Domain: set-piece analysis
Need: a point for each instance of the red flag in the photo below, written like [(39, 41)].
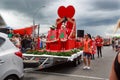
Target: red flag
[(27, 30)]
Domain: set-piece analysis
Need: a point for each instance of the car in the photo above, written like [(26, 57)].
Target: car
[(11, 60)]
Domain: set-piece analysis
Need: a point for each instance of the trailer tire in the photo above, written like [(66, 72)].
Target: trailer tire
[(75, 62), (79, 60), (31, 64)]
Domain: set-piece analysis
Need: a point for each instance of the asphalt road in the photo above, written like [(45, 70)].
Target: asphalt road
[(100, 69)]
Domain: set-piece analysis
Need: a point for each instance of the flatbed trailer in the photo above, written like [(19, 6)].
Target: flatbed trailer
[(45, 61)]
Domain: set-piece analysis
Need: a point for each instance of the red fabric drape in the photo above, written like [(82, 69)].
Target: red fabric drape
[(23, 31)]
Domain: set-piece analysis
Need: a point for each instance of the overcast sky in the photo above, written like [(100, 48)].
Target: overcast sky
[(97, 17)]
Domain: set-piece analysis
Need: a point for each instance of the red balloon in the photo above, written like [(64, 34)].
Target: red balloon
[(70, 11), (61, 11), (66, 12)]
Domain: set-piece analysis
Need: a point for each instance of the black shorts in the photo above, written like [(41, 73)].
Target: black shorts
[(85, 54), (116, 46)]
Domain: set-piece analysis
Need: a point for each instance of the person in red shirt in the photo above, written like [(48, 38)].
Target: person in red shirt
[(99, 44), (87, 51), (93, 48)]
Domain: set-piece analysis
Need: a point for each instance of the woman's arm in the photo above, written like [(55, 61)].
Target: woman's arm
[(57, 22), (112, 73)]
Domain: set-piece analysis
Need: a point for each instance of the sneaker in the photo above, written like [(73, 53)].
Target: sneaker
[(88, 68), (85, 67)]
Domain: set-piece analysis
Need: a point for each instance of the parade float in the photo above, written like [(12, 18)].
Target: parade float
[(60, 44), (63, 37)]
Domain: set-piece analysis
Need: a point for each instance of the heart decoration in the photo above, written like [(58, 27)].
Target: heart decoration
[(68, 11)]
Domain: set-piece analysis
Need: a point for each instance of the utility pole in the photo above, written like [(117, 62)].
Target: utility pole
[(36, 12)]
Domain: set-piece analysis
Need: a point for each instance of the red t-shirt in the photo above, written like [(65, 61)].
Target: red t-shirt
[(99, 41), (87, 46)]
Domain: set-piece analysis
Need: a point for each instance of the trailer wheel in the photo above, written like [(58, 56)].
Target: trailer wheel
[(79, 59), (75, 62), (31, 64)]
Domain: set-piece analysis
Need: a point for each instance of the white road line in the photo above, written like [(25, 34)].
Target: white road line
[(72, 75)]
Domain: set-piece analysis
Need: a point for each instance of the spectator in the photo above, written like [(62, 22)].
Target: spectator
[(93, 48), (16, 40), (99, 44), (116, 44), (33, 43), (10, 34), (23, 44), (26, 43), (44, 41), (113, 43)]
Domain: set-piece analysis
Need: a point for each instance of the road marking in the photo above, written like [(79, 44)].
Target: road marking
[(72, 75)]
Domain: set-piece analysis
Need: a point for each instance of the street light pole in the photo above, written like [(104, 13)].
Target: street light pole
[(34, 21), (38, 30), (33, 32)]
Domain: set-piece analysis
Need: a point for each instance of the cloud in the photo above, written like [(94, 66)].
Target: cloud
[(93, 16), (14, 19), (100, 30), (106, 5), (43, 29)]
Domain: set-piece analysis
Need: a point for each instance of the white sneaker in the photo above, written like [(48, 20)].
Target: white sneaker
[(85, 67), (88, 68)]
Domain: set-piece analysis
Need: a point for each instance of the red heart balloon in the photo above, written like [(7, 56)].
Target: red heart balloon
[(70, 11), (66, 12), (61, 11)]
